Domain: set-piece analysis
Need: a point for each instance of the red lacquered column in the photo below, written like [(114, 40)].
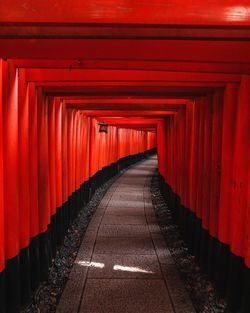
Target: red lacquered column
[(200, 165), (70, 161), (161, 148), (74, 164), (10, 180), (65, 195), (52, 170), (58, 170), (182, 160), (226, 183), (195, 149), (217, 111), (82, 158), (24, 203), (77, 161), (240, 200), (206, 139), (247, 254), (246, 291), (207, 147), (228, 146), (2, 252), (33, 190), (43, 183), (241, 167), (217, 108), (189, 141)]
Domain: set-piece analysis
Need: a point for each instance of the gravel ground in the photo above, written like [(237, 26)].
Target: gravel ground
[(46, 298), (200, 289)]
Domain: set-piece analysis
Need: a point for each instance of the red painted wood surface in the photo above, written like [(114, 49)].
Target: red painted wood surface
[(2, 242), (228, 146), (33, 159), (23, 155), (52, 155), (241, 170), (43, 163), (10, 160), (140, 12)]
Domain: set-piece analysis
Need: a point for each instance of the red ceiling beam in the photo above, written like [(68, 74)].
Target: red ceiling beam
[(102, 31), (124, 107), (101, 49), (132, 121), (137, 65), (176, 12), (129, 113), (149, 101), (35, 75)]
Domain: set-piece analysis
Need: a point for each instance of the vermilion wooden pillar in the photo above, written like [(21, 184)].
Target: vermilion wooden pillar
[(73, 173), (182, 160), (24, 200), (82, 160), (228, 146), (78, 147), (202, 103), (43, 184), (70, 160), (194, 174), (217, 111), (161, 140), (52, 171), (65, 195), (84, 166), (240, 192), (2, 252), (10, 179), (58, 170), (87, 158), (33, 188), (246, 292), (240, 166), (225, 223), (205, 196), (190, 143)]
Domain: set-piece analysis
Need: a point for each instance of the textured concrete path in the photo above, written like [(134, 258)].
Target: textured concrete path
[(123, 265)]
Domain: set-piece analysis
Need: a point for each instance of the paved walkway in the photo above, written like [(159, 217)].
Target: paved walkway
[(123, 265)]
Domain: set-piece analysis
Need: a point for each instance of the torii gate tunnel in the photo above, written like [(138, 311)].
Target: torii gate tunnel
[(172, 77)]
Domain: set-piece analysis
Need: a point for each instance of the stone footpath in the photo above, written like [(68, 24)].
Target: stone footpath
[(123, 265)]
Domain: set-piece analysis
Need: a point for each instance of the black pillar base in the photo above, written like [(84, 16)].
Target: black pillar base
[(235, 282), (191, 232), (246, 293), (78, 200), (34, 263), (25, 276), (212, 257), (86, 192), (53, 235), (12, 286), (2, 292), (65, 218), (204, 250), (222, 269), (59, 226), (197, 238), (44, 255), (70, 205)]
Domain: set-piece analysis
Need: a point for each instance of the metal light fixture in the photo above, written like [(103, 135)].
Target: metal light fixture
[(103, 127)]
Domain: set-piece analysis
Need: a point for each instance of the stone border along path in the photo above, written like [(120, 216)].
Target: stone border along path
[(123, 265)]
